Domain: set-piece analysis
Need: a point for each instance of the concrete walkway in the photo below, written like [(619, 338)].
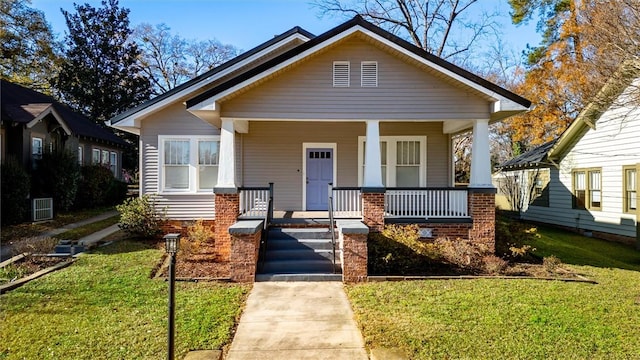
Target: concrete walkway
[(297, 320), (78, 224)]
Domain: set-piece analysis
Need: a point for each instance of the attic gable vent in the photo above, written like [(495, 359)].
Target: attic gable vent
[(340, 74), (369, 74)]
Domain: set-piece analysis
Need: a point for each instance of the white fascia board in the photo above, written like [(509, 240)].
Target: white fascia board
[(456, 126), (129, 120), (504, 104), (129, 129), (52, 111)]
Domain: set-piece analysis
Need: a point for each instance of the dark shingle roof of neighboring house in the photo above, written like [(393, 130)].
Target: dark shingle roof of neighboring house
[(536, 157), (359, 21), (22, 105)]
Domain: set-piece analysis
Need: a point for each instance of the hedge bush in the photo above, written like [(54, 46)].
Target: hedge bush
[(57, 175), (15, 192)]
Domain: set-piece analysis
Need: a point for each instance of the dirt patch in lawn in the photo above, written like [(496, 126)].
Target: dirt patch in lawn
[(200, 264), (28, 265)]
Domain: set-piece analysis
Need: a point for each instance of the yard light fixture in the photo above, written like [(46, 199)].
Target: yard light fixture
[(171, 242)]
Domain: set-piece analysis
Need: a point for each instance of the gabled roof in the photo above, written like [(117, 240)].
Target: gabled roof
[(506, 101), (26, 106), (211, 74), (534, 158), (358, 21), (589, 116)]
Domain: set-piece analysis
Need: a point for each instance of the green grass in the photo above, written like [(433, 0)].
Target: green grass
[(105, 306), (88, 229), (513, 319)]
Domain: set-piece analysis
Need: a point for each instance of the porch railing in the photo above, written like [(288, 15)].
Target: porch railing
[(347, 201), (254, 201), (426, 203)]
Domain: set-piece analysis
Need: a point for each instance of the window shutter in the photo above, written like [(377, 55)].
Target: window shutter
[(340, 74), (369, 73)]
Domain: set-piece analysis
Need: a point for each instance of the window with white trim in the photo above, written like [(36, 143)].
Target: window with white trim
[(369, 74), (188, 163), (341, 73), (113, 163), (403, 160), (80, 155), (95, 156), (105, 157), (37, 147)]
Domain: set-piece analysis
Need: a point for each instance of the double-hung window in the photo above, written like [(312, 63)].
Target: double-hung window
[(587, 189), (95, 156), (188, 163), (630, 189), (403, 160), (113, 163)]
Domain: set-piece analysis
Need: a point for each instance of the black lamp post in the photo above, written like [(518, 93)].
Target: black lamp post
[(171, 242)]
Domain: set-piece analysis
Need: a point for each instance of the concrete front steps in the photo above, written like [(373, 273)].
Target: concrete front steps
[(299, 254)]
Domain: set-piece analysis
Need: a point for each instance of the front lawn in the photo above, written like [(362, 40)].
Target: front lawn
[(513, 319), (105, 306)]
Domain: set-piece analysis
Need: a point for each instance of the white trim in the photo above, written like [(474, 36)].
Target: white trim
[(227, 154), (132, 120), (305, 146), (54, 113), (193, 166), (341, 74), (391, 157), (489, 93), (480, 156), (368, 79)]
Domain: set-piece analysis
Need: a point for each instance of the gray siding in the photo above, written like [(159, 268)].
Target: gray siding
[(174, 120), (273, 152), (404, 92)]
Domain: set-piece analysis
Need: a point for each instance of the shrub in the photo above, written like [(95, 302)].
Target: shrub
[(409, 235), (94, 186), (462, 253), (494, 264), (197, 234), (551, 263), (513, 240), (117, 192), (15, 192), (138, 216), (57, 175)]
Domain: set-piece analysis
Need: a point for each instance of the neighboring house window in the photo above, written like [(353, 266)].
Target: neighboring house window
[(189, 163), (403, 160), (113, 163), (95, 156), (630, 190), (341, 73), (369, 74), (105, 157), (36, 149), (587, 190), (80, 155)]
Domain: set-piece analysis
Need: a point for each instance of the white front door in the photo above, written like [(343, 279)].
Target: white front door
[(319, 175)]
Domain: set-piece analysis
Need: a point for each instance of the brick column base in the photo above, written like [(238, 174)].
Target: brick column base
[(482, 204), (244, 256), (373, 210), (353, 237), (227, 209)]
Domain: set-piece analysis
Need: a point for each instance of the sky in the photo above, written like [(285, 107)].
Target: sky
[(248, 23)]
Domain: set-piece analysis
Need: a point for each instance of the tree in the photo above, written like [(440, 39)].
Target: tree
[(441, 27), (169, 60), (28, 50), (100, 74), (584, 43)]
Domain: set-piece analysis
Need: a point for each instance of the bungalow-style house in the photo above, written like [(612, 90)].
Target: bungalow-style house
[(593, 166), (355, 107), (32, 122)]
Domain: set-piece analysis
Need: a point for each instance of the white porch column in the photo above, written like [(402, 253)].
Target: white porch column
[(372, 160), (480, 158), (227, 161)]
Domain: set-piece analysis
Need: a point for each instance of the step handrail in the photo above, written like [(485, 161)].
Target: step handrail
[(268, 217), (332, 225)]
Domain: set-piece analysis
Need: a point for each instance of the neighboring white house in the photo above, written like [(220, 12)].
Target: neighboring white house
[(594, 165)]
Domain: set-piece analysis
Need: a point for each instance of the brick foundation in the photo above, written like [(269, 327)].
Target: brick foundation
[(227, 209), (373, 210), (482, 210), (449, 230)]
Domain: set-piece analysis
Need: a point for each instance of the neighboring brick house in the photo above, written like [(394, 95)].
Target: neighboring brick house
[(33, 123), (356, 107)]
